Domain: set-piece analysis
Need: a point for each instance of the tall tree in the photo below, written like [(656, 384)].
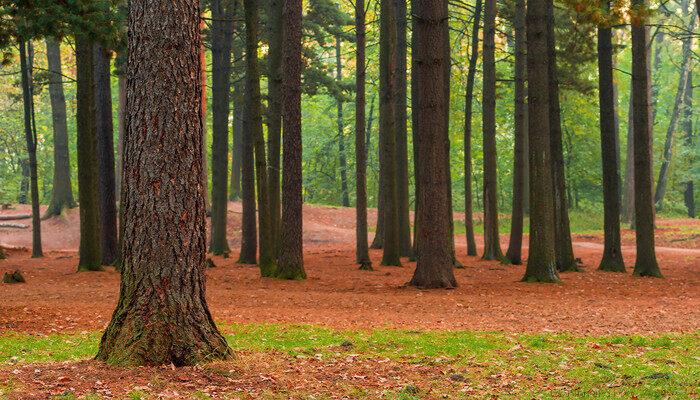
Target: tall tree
[(492, 246), (541, 263), (222, 12), (290, 263), (274, 110), (612, 253), (342, 157), (387, 131), (362, 250), (469, 98), (88, 169), (405, 247), (562, 231), (689, 192), (105, 155), (61, 190), (435, 252), (514, 253), (235, 192), (646, 264), (26, 61), (162, 315)]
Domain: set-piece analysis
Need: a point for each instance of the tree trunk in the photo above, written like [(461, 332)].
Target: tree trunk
[(514, 253), (23, 197), (628, 189), (689, 193), (27, 65), (291, 258), (612, 253), (88, 168), (402, 184), (342, 159), (645, 264), (562, 232), (471, 74), (541, 263), (203, 67), (274, 111), (221, 37), (61, 192), (435, 252), (105, 156), (120, 140), (162, 315), (675, 116), (492, 246), (378, 241), (238, 107), (362, 251)]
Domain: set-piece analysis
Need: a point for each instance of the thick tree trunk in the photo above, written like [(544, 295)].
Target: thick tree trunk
[(405, 247), (274, 111), (387, 132), (646, 264), (689, 193), (105, 156), (492, 246), (342, 158), (562, 231), (362, 250), (61, 192), (662, 182), (435, 252), (26, 61), (541, 263), (221, 37), (612, 253), (88, 168), (162, 315), (291, 258), (471, 74), (514, 253)]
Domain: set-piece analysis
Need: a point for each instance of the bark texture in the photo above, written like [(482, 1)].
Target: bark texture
[(402, 185), (274, 111), (342, 156), (689, 192)]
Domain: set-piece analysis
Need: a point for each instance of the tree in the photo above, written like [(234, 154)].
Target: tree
[(562, 232), (362, 251), (405, 247), (26, 61), (612, 253), (290, 264), (162, 315), (274, 110), (221, 37), (435, 252), (689, 192), (541, 263), (342, 159), (514, 253), (235, 192), (492, 246), (387, 131), (646, 264), (105, 155), (471, 74), (61, 190), (88, 169)]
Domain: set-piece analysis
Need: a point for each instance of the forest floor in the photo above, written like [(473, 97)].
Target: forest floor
[(601, 315)]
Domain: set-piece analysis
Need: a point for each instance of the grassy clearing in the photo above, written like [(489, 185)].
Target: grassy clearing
[(483, 363)]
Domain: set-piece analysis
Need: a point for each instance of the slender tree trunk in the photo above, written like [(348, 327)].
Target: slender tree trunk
[(203, 66), (415, 122), (26, 61), (541, 263), (401, 115), (162, 315), (362, 251), (105, 156), (120, 140), (342, 159), (562, 232), (23, 197), (689, 193), (88, 168), (612, 253), (291, 259), (274, 112), (656, 65), (514, 253), (471, 74), (238, 106), (61, 192), (221, 37), (378, 241), (435, 251), (492, 246), (645, 264), (675, 117)]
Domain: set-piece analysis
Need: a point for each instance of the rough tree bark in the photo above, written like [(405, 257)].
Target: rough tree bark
[(492, 246), (435, 253), (274, 111), (342, 159), (162, 315), (541, 263), (238, 105), (291, 258), (401, 115), (514, 253), (61, 191), (689, 192), (612, 253), (646, 264)]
